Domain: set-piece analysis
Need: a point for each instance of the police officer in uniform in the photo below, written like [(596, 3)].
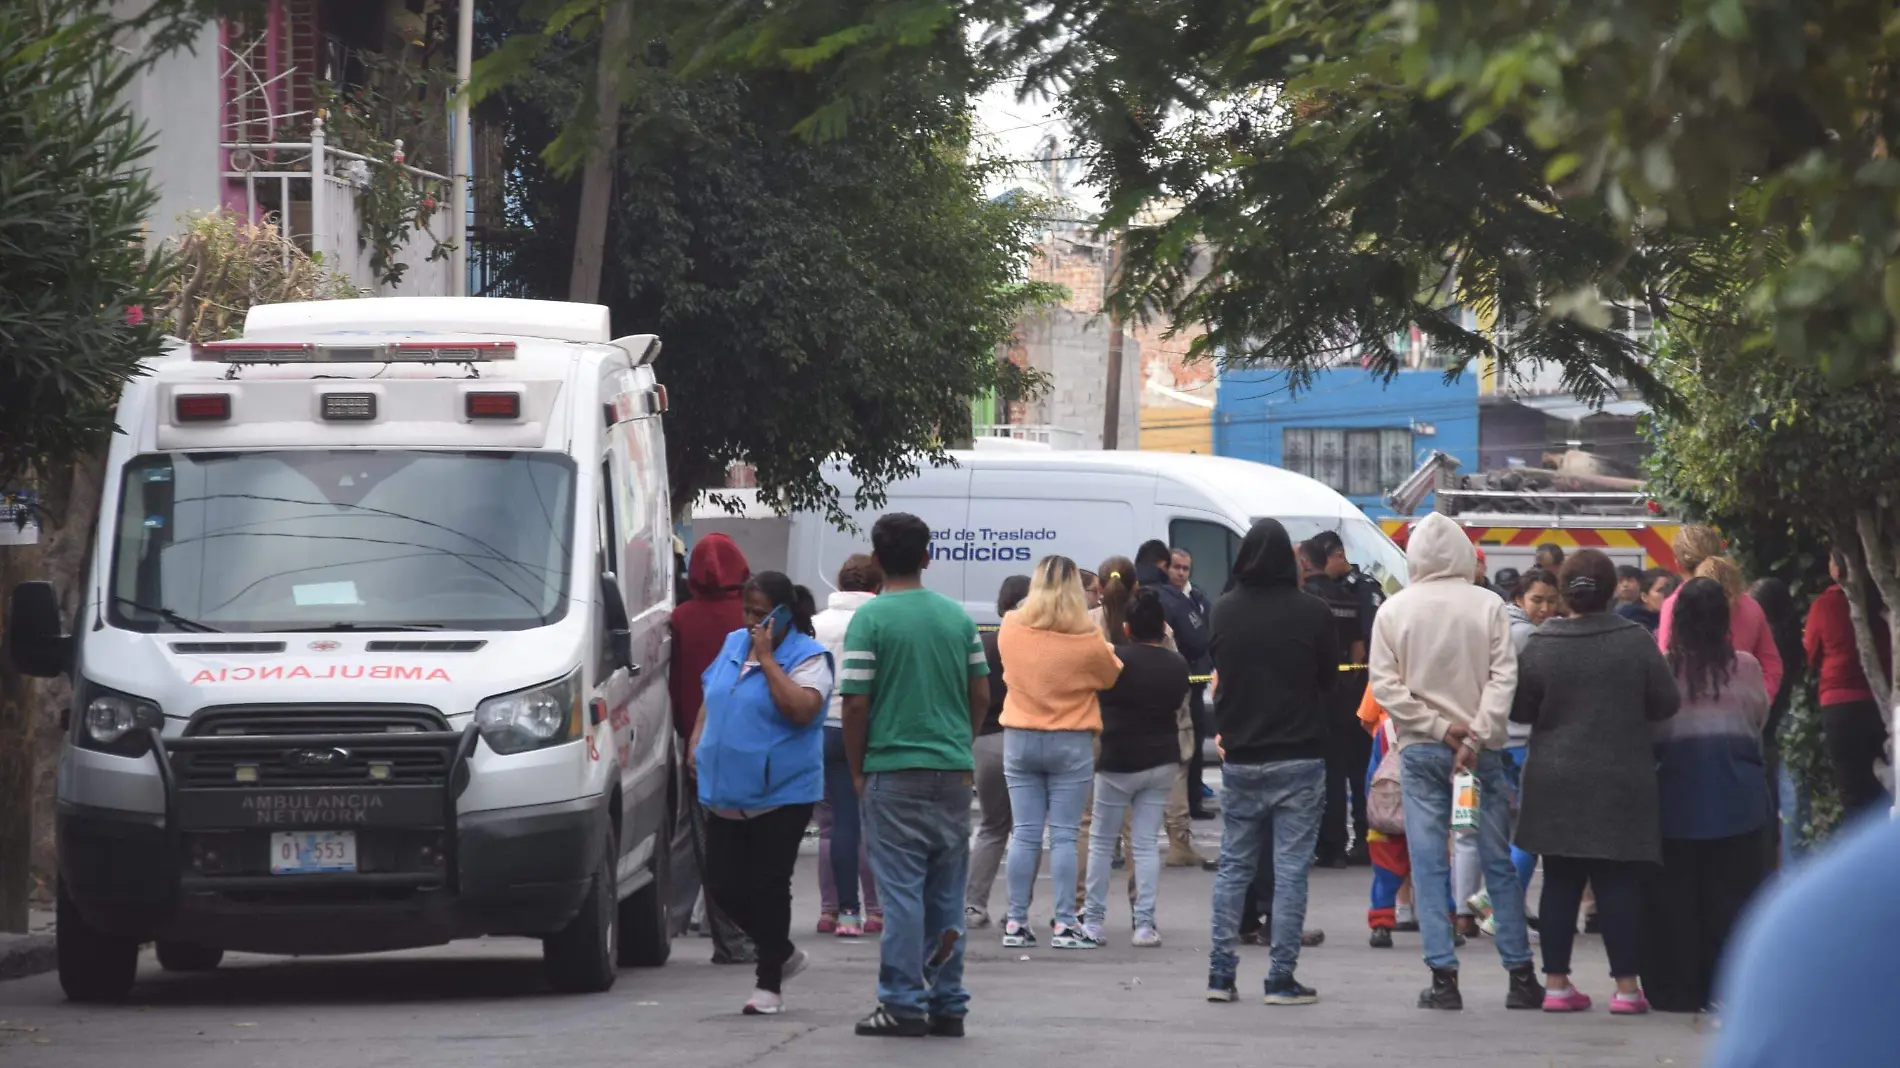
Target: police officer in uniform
[(1353, 597)]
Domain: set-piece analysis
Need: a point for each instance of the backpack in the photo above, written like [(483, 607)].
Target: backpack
[(1385, 802)]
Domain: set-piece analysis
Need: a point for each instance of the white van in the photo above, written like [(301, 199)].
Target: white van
[(996, 512), (371, 652)]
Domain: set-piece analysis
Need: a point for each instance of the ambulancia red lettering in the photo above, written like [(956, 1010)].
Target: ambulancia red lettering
[(279, 673)]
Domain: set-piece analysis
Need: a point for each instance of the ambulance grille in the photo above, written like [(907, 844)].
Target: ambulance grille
[(292, 720)]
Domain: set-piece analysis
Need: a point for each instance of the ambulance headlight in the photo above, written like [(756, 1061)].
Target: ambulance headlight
[(548, 714), (117, 723)]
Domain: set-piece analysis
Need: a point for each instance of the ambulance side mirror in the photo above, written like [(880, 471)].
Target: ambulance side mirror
[(619, 628), (35, 640)]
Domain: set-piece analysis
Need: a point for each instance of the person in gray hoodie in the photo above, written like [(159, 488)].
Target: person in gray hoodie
[(1443, 667)]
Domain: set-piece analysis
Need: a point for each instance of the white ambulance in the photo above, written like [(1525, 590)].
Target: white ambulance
[(372, 648)]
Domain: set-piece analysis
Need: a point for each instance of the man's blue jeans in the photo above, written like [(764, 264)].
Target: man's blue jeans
[(917, 830), (1425, 777), (1284, 799)]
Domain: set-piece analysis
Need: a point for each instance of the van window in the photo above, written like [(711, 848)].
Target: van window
[(1367, 547), (1212, 546)]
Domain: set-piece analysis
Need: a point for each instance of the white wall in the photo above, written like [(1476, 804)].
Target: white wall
[(177, 101)]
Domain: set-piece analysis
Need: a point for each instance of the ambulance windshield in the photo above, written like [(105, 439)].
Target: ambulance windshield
[(344, 539)]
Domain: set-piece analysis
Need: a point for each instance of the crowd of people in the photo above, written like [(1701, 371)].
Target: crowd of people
[(1613, 726)]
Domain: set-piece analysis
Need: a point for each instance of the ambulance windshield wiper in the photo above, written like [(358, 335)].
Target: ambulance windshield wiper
[(369, 626), (168, 616)]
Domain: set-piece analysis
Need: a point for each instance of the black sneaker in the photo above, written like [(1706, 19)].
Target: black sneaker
[(1443, 993), (1222, 988), (1381, 938), (1526, 992), (881, 1024), (946, 1026), (1406, 927), (1590, 924), (1288, 991)]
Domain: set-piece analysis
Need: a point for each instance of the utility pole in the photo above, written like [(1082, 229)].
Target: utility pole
[(459, 163), (1112, 398), (597, 176)]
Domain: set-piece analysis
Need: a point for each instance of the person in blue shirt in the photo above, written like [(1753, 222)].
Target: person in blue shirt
[(759, 752), (1808, 981)]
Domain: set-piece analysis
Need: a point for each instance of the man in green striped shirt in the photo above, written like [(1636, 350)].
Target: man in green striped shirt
[(916, 686)]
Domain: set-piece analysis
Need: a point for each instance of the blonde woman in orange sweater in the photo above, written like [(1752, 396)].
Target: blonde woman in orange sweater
[(1055, 661)]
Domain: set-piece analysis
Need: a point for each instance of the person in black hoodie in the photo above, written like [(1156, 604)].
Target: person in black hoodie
[(1275, 655)]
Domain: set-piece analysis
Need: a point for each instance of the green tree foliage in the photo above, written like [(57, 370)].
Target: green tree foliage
[(1777, 115), (1766, 442), (72, 208), (826, 298)]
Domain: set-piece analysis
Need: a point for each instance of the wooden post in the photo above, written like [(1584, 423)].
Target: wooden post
[(1112, 400)]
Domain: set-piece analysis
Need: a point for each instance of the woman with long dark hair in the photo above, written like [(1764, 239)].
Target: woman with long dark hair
[(1141, 755), (760, 753), (1713, 804)]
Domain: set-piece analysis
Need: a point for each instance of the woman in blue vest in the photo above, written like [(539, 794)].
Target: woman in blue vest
[(760, 755)]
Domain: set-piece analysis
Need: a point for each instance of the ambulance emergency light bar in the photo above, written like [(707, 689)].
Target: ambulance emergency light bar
[(309, 352)]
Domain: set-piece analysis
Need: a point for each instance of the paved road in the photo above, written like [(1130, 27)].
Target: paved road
[(482, 1003)]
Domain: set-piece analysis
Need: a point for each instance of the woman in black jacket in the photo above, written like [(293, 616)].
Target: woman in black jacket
[(1141, 757), (1590, 686)]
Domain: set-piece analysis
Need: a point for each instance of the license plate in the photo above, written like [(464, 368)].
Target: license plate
[(304, 852)]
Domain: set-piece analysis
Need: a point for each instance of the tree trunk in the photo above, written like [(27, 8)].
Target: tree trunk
[(1879, 563), (17, 707), (597, 176), (30, 736)]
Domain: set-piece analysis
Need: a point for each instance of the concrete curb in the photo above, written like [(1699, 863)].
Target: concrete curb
[(24, 955)]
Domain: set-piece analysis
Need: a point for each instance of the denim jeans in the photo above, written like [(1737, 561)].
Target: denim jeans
[(841, 797), (917, 824), (1425, 778), (1115, 792), (1284, 799), (1525, 863), (1049, 774)]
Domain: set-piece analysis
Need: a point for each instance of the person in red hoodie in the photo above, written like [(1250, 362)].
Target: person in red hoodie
[(716, 576), (1851, 724)]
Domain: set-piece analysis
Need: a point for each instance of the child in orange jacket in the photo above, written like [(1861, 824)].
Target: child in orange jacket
[(1391, 864)]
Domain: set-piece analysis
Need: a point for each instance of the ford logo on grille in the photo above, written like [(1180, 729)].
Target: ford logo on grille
[(317, 758)]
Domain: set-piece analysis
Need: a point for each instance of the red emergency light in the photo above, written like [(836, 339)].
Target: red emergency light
[(201, 407), (490, 404)]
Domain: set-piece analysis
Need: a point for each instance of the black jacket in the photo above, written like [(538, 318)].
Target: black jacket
[(1276, 651), (1187, 621), (1138, 713)]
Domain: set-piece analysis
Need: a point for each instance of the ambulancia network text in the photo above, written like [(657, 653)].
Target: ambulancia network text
[(986, 544)]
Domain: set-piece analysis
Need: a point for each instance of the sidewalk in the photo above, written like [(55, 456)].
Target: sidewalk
[(30, 953)]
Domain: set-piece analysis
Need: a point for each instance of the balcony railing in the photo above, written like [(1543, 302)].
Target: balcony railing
[(1056, 437), (312, 189)]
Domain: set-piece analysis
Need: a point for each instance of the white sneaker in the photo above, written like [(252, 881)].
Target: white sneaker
[(799, 962), (763, 1003), (1145, 938)]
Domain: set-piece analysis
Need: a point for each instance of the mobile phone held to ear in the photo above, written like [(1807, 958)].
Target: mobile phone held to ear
[(779, 621)]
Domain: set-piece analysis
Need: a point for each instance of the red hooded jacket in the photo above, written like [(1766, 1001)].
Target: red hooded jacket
[(716, 575)]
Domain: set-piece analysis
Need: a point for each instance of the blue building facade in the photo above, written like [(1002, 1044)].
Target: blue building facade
[(1349, 429)]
